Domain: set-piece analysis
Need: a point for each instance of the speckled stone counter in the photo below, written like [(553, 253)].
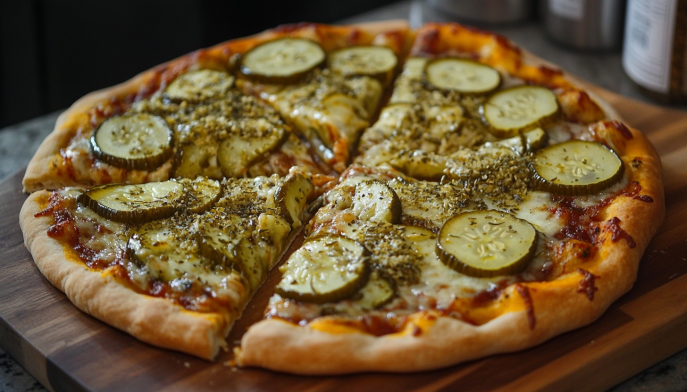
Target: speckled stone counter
[(19, 142)]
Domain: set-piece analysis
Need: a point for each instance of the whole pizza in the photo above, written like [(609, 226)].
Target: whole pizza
[(455, 197)]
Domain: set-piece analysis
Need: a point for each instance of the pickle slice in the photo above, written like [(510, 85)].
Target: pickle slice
[(375, 201), (378, 62), (486, 243), (236, 153), (376, 293), (135, 141), (519, 109), (525, 142), (325, 269), (201, 194), (193, 160), (134, 203), (291, 198), (462, 75), (223, 238), (282, 60), (421, 165), (576, 167), (199, 85)]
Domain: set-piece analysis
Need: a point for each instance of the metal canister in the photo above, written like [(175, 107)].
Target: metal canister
[(486, 11), (585, 24)]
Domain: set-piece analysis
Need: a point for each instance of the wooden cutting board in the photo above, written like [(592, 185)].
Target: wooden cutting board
[(67, 350)]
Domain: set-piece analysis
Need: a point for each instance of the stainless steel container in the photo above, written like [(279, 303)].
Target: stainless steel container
[(585, 24), (486, 11)]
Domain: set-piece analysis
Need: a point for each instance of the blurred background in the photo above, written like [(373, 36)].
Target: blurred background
[(54, 51)]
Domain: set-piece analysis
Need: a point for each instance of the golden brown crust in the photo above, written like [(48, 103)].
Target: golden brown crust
[(558, 306), (152, 320)]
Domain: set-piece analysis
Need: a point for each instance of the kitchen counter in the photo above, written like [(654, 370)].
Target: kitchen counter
[(19, 142)]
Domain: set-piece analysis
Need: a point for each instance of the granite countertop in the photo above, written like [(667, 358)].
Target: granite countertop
[(19, 142)]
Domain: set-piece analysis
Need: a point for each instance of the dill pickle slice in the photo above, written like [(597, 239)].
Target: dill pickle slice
[(421, 165), (236, 153), (283, 60), (201, 194), (486, 243), (525, 142), (134, 203), (223, 238), (291, 198), (134, 141), (519, 109), (325, 269), (462, 75), (199, 85), (375, 201), (376, 293), (378, 62), (576, 167)]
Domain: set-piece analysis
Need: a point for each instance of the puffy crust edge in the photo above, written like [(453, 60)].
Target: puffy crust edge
[(151, 320), (43, 169), (558, 305)]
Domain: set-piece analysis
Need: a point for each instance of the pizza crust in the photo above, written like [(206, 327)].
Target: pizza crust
[(558, 306), (152, 320)]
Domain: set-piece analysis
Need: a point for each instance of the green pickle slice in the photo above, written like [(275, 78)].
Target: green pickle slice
[(134, 141), (376, 293), (576, 168), (135, 203), (199, 85), (486, 243), (518, 109), (375, 61), (375, 201), (201, 194), (462, 75), (282, 60), (325, 269)]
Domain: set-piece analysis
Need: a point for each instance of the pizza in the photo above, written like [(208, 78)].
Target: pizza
[(457, 198)]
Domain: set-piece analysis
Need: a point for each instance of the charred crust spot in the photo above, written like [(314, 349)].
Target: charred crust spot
[(586, 284), (618, 233)]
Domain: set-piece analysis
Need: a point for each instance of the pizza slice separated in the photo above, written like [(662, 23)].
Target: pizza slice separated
[(172, 263), (328, 90)]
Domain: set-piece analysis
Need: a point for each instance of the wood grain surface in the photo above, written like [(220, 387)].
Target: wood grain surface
[(67, 350)]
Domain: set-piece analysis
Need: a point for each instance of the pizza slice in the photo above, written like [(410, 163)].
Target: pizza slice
[(327, 81), (184, 119), (462, 88), (172, 263)]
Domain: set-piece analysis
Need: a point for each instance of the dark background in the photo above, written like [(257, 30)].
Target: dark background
[(54, 51)]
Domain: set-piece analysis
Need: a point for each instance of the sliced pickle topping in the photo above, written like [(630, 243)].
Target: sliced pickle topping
[(576, 167), (462, 75), (421, 165), (224, 239), (236, 153), (486, 243), (282, 60), (199, 85), (201, 194), (135, 141), (291, 198), (325, 269), (135, 203), (376, 293), (376, 61), (519, 109), (375, 201), (525, 142)]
